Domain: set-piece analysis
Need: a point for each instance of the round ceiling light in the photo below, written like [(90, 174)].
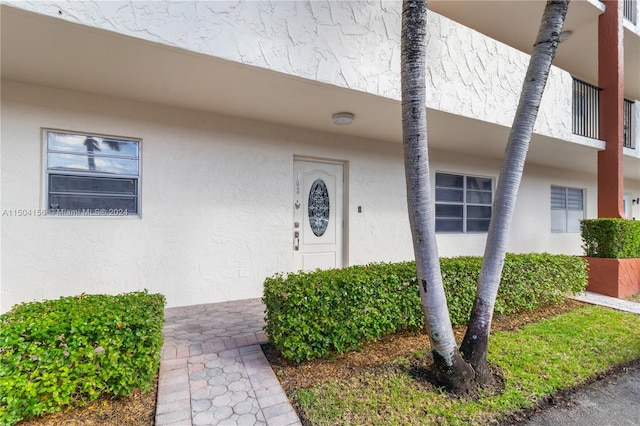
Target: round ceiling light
[(342, 118), (564, 36)]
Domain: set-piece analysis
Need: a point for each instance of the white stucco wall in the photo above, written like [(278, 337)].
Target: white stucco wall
[(351, 44), (531, 227), (216, 202)]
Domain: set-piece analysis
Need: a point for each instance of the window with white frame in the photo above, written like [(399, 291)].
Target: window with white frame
[(463, 203), (567, 209), (90, 175)]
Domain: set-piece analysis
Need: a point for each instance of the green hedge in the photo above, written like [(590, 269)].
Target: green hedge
[(611, 238), (316, 314), (72, 350)]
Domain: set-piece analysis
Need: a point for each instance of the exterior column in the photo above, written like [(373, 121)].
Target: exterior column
[(611, 81)]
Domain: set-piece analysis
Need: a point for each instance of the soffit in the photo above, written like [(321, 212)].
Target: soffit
[(46, 51), (516, 23)]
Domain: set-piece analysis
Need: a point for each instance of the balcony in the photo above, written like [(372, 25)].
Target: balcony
[(630, 11), (586, 115), (628, 123)]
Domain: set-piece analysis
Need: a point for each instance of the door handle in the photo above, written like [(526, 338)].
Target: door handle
[(296, 240)]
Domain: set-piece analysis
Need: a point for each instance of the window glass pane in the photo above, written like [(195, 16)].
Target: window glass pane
[(105, 174), (81, 202), (479, 212), (558, 221), (479, 183), (448, 225), (62, 183), (573, 220), (574, 199), (319, 207), (451, 195), (120, 166), (468, 203), (478, 197), (448, 210), (91, 144), (477, 225), (558, 198), (449, 181)]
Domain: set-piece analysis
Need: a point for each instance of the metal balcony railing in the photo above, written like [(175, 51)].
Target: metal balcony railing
[(630, 11), (628, 123), (586, 106)]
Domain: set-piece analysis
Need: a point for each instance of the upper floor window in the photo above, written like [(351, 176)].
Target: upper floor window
[(89, 175), (463, 203), (567, 209)]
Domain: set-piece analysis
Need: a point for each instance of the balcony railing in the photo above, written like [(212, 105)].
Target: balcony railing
[(630, 11), (628, 123), (586, 115)]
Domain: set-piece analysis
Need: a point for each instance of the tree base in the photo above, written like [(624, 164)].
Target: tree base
[(458, 378)]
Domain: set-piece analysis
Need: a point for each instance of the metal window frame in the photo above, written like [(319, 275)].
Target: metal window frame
[(464, 203), (566, 209), (47, 173)]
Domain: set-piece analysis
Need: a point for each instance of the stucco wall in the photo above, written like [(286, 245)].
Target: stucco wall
[(531, 227), (216, 202), (351, 44)]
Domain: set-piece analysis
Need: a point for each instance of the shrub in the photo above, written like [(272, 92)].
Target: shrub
[(317, 314), (72, 350), (611, 238)]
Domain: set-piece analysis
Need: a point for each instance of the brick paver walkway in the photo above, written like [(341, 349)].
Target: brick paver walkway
[(213, 371)]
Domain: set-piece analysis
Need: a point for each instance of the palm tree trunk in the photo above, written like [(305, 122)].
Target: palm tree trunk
[(475, 343), (451, 370)]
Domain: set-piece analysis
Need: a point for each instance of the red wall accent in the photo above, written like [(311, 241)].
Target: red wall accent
[(614, 277), (611, 81)]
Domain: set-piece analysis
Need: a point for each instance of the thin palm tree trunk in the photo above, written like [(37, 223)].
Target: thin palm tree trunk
[(450, 368), (475, 343)]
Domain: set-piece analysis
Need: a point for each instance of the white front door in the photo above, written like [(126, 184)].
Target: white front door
[(317, 215), (626, 205)]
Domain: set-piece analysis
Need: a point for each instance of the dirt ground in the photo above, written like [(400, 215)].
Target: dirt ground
[(294, 376), (139, 409)]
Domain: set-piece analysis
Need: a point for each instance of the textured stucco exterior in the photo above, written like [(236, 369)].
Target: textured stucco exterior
[(216, 219), (216, 190), (350, 44)]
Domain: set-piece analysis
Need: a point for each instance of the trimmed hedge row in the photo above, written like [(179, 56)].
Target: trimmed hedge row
[(611, 238), (72, 350), (316, 314)]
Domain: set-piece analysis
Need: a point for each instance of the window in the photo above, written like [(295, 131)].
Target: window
[(463, 203), (567, 209), (90, 175)]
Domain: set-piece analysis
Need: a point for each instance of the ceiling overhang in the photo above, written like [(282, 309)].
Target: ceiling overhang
[(48, 51)]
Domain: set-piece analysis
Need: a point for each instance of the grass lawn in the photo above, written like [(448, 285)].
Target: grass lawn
[(535, 361)]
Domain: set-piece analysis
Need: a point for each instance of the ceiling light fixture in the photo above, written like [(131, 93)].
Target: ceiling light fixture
[(342, 118), (564, 36)]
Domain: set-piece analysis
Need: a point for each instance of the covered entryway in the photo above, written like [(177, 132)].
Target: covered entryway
[(317, 215)]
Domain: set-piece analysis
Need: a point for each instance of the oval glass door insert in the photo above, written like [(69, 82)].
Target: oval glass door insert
[(319, 207)]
